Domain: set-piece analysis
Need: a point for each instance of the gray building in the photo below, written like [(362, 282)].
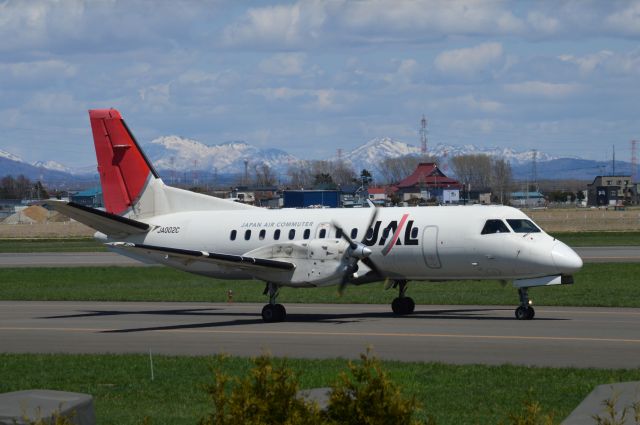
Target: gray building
[(611, 191)]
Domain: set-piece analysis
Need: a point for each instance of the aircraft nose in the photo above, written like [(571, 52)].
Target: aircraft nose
[(565, 259)]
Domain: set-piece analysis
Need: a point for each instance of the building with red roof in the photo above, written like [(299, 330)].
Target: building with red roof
[(428, 182)]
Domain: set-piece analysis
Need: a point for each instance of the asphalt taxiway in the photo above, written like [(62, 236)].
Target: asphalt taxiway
[(609, 254), (559, 336)]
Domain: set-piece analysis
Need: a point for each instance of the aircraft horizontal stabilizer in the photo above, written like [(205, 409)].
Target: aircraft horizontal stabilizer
[(107, 223), (236, 261)]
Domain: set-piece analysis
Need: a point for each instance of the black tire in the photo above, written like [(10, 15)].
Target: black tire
[(410, 305), (531, 313), (521, 313), (396, 306), (281, 312), (269, 313)]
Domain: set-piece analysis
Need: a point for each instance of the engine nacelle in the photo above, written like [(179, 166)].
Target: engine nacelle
[(319, 262)]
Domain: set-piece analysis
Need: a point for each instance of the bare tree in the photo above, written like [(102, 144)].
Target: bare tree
[(264, 175), (393, 170), (304, 173), (501, 179), (474, 170)]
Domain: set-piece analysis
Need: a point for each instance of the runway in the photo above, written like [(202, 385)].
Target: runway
[(609, 254), (559, 336)]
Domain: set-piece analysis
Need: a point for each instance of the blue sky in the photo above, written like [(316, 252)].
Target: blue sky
[(310, 77)]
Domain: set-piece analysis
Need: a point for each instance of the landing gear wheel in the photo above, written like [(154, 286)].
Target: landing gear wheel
[(274, 313), (402, 306), (525, 313), (281, 312)]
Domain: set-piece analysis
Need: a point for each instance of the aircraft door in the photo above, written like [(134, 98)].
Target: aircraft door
[(430, 247)]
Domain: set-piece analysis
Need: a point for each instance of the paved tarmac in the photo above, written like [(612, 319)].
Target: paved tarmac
[(610, 254), (559, 336)]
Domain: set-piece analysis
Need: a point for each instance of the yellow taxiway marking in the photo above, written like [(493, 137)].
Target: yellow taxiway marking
[(347, 334)]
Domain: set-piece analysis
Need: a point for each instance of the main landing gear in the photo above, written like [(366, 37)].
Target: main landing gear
[(402, 304), (273, 312), (525, 311)]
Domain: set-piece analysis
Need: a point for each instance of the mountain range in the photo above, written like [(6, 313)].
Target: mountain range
[(173, 155)]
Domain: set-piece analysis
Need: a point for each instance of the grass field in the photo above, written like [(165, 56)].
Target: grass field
[(51, 245), (90, 245), (125, 394), (605, 285)]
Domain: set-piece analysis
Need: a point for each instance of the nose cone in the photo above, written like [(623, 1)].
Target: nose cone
[(565, 259)]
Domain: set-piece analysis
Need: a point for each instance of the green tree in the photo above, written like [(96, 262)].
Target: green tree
[(366, 395)]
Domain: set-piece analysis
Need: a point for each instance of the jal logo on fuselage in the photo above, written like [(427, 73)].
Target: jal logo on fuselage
[(392, 234)]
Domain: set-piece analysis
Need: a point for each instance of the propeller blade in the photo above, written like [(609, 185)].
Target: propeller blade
[(344, 235), (369, 263), (374, 215)]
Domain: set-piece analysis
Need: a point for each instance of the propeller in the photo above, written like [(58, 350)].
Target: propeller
[(358, 251)]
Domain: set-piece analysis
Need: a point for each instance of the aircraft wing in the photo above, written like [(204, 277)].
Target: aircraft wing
[(247, 264), (107, 223)]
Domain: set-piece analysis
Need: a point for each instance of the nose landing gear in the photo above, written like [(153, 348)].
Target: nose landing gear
[(525, 311), (402, 304), (273, 312)]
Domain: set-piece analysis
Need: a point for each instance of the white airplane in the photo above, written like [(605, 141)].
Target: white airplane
[(147, 220)]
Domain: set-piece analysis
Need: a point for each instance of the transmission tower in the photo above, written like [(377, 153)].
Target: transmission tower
[(634, 161), (423, 136), (339, 154), (534, 169)]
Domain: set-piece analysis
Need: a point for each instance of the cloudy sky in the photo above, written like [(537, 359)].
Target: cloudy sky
[(310, 77)]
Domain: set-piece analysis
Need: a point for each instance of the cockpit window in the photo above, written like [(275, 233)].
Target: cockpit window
[(523, 226), (494, 226)]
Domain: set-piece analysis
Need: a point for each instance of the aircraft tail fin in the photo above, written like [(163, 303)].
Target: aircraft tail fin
[(125, 171), (131, 187)]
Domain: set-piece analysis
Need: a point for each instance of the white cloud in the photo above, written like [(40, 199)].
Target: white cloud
[(625, 21), (317, 99), (543, 24), (156, 96), (543, 89), (590, 62), (287, 25), (49, 69), (432, 16), (469, 61), (284, 64)]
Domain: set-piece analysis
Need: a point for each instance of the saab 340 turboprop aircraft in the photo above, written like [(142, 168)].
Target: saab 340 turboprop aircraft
[(149, 221)]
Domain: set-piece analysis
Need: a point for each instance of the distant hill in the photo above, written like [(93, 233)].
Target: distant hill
[(185, 160)]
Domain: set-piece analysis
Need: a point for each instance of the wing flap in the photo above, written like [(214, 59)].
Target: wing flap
[(107, 223), (228, 260)]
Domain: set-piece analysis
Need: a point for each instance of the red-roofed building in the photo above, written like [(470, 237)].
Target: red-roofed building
[(428, 182), (377, 195)]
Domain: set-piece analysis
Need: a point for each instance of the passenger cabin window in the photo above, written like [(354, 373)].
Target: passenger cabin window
[(262, 234), (247, 235), (323, 233), (276, 234), (354, 233), (523, 226), (414, 233), (307, 233), (338, 233), (494, 226), (292, 234), (233, 235)]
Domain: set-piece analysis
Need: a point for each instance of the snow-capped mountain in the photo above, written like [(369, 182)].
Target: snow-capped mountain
[(375, 150), (10, 156), (53, 166), (177, 153)]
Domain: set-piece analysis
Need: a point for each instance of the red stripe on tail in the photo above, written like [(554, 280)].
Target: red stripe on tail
[(122, 166)]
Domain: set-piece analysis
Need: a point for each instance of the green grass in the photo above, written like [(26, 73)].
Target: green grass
[(598, 238), (604, 285), (125, 394), (51, 245), (90, 245)]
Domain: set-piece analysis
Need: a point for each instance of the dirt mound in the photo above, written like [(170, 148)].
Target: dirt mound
[(36, 213)]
